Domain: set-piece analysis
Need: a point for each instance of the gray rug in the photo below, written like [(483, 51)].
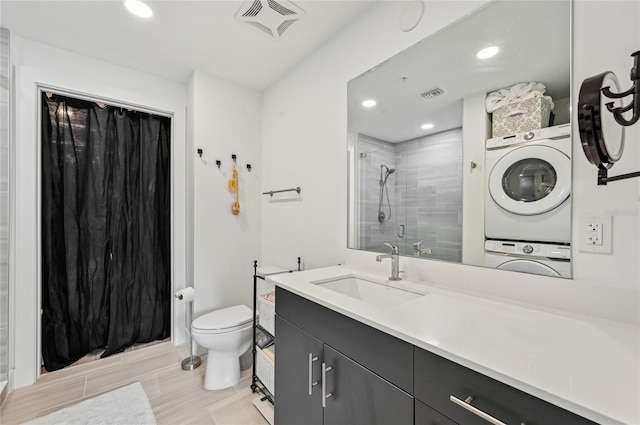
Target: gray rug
[(123, 406)]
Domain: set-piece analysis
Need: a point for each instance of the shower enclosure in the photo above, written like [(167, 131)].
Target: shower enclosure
[(409, 192)]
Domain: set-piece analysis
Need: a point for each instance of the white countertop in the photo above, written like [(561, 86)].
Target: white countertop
[(586, 365)]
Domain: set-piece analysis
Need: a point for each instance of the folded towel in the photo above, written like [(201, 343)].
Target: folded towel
[(270, 296), (269, 354), (267, 270)]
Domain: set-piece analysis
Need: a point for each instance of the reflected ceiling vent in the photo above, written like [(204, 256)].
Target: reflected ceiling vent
[(271, 17), (430, 94)]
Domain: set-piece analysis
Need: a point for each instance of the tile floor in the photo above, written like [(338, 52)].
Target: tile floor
[(176, 396)]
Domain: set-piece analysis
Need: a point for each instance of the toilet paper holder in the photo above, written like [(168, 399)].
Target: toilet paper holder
[(185, 296)]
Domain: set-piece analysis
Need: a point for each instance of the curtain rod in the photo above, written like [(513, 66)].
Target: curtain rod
[(100, 99)]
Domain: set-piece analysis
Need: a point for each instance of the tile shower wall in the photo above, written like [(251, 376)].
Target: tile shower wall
[(4, 208), (432, 195), (425, 193), (371, 154)]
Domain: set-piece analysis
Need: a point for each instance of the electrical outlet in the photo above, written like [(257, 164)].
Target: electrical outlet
[(595, 234)]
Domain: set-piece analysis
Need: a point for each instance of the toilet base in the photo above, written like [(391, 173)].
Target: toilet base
[(221, 372)]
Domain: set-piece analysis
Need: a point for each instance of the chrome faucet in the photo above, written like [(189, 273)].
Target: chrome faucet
[(395, 261), (418, 251)]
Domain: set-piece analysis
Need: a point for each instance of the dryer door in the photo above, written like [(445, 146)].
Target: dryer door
[(528, 266), (531, 180)]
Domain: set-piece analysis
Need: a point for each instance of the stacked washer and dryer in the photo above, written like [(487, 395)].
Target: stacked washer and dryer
[(527, 202)]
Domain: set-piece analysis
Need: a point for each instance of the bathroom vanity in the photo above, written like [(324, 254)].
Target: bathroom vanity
[(441, 357)]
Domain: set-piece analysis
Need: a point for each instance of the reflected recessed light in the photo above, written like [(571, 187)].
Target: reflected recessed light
[(427, 126), (369, 103), (487, 52), (138, 8)]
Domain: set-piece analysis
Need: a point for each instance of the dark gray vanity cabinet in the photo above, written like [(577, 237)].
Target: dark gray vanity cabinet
[(314, 342), (373, 378), (464, 396)]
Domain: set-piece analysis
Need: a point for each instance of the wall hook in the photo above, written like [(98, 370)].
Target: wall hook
[(233, 157), (218, 163), (199, 152), (249, 167)]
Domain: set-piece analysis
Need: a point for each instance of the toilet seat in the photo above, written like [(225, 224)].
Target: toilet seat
[(228, 319)]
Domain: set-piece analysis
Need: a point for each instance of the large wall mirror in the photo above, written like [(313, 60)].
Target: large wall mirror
[(442, 173)]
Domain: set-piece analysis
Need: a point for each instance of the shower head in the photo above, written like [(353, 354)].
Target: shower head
[(387, 173), (389, 170)]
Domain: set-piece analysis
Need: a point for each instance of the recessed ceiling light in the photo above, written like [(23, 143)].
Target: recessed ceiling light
[(138, 8), (427, 126), (487, 52), (369, 103)]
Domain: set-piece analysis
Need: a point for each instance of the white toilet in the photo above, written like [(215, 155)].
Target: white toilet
[(226, 334)]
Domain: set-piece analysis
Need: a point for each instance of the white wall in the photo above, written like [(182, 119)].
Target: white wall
[(226, 121), (474, 135), (606, 35), (36, 63), (305, 144), (305, 128)]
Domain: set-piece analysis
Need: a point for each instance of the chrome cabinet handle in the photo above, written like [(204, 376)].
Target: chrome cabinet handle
[(325, 396), (466, 404), (311, 382)]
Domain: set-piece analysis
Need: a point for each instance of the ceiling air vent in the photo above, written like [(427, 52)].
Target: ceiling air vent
[(430, 94), (271, 17)]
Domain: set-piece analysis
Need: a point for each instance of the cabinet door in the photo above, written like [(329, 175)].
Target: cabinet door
[(293, 404), (360, 397), (427, 416)]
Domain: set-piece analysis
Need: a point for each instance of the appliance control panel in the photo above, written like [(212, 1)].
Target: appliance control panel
[(533, 249), (550, 133)]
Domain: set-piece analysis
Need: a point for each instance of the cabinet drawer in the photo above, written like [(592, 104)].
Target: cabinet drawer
[(388, 356), (437, 379)]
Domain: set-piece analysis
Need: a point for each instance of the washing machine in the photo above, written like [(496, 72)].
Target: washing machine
[(528, 186), (529, 257)]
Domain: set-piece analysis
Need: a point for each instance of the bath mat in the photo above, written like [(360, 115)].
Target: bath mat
[(127, 405)]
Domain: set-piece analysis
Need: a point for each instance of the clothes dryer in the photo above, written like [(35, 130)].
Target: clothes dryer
[(528, 186), (543, 259)]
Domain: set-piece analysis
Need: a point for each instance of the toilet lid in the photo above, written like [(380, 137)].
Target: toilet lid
[(225, 318)]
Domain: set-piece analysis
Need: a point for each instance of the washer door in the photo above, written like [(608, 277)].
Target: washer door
[(528, 266), (531, 180)]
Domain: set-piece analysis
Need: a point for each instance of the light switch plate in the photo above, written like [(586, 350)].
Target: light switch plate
[(594, 234)]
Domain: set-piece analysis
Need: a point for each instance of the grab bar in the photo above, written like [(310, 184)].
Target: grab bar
[(271, 192)]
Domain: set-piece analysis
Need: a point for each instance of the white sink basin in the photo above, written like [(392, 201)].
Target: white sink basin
[(367, 290)]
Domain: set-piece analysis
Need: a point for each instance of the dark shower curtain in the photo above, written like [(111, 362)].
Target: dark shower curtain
[(105, 228)]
